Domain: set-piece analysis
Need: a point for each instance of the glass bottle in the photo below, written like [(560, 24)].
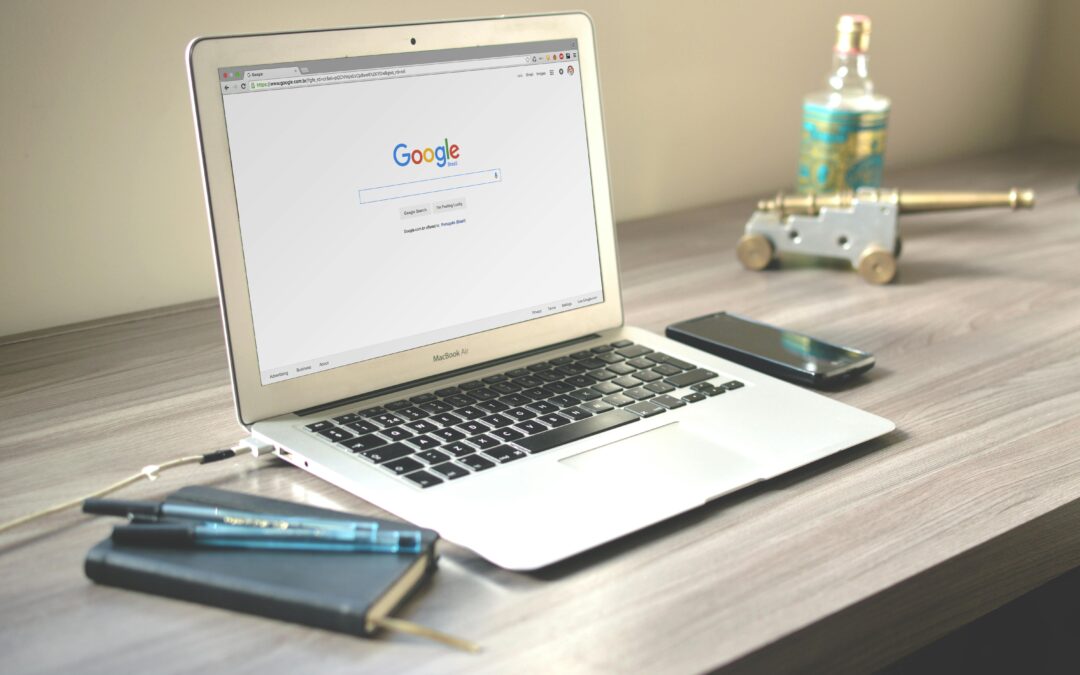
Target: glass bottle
[(843, 132)]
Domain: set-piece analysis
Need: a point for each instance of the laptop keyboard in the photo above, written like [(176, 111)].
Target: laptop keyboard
[(454, 432)]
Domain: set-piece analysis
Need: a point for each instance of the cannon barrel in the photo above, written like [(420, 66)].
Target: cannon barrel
[(906, 201)]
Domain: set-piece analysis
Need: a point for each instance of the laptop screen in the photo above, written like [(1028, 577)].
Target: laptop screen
[(395, 201)]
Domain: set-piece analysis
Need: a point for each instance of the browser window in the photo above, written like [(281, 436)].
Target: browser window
[(391, 202)]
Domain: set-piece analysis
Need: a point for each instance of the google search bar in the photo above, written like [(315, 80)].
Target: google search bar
[(426, 186)]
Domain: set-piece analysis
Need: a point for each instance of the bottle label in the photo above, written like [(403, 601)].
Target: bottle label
[(841, 149)]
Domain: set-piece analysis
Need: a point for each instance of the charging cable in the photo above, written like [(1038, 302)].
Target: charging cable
[(150, 472)]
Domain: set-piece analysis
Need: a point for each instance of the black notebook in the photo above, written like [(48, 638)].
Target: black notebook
[(346, 592)]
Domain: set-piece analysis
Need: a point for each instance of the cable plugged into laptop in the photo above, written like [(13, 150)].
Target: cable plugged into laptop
[(252, 445)]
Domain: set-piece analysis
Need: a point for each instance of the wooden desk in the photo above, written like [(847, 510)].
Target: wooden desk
[(853, 561)]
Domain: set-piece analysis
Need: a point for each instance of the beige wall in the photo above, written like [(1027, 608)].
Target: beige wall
[(100, 201)]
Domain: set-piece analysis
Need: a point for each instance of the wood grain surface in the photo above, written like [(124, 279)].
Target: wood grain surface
[(846, 564)]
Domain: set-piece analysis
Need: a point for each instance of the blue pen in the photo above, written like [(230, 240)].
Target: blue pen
[(147, 510), (219, 535)]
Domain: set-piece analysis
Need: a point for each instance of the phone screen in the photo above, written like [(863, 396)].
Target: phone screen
[(775, 344)]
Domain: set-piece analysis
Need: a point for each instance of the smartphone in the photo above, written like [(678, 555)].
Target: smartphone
[(775, 351)]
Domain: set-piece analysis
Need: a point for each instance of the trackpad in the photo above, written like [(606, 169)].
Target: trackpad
[(672, 457)]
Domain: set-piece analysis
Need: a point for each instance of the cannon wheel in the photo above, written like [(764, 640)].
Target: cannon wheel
[(877, 265), (754, 251)]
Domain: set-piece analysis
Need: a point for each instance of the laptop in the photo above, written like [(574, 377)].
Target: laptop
[(417, 268)]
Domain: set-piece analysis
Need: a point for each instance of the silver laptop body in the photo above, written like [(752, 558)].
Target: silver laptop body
[(416, 261)]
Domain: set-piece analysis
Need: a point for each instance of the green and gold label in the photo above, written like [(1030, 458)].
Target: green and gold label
[(841, 149)]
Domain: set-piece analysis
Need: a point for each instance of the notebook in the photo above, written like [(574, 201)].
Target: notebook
[(344, 592)]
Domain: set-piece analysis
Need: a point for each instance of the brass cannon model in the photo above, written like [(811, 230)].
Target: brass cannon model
[(860, 226)]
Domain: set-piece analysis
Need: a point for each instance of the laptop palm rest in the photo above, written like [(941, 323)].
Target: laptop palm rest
[(671, 458)]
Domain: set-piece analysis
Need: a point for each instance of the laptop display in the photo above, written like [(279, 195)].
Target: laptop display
[(391, 202)]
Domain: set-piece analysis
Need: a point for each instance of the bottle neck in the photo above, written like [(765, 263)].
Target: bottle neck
[(850, 73)]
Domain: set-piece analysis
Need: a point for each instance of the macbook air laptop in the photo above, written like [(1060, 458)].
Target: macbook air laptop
[(417, 268)]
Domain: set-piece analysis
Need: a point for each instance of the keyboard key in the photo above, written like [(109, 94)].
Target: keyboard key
[(537, 367), (531, 427), (396, 433), (607, 388), (542, 407), (528, 382), (537, 394), (559, 388), (638, 394), (319, 426), (656, 357), (483, 394), (496, 421), (504, 453), (627, 381), (602, 375), (492, 379), (483, 441), (659, 387), (561, 361), (469, 386), (448, 434), (690, 377), (575, 413), (708, 388), (671, 360), (361, 443), (573, 432), (586, 394), (447, 391), (493, 406), (591, 364), (633, 351), (640, 362), (621, 343), (515, 400), (621, 368), (387, 453), (611, 357), (450, 470), (595, 407), (645, 409), (423, 478), (521, 414), (345, 419), (618, 400), (422, 426), (666, 370), (437, 407), (402, 465), (412, 413), (563, 400), (504, 388), (394, 406), (579, 381), (335, 434), (477, 463), (372, 412), (549, 376), (572, 369), (388, 419), (459, 400), (433, 456), (472, 427), (583, 354), (447, 420), (422, 398), (424, 442), (517, 372), (458, 449), (668, 402), (507, 434), (694, 397), (647, 376), (602, 349), (470, 412), (554, 420), (734, 384), (363, 427)]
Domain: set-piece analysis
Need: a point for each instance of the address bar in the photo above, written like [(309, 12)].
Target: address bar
[(384, 73)]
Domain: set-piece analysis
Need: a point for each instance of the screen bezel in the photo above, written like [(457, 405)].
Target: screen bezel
[(256, 401)]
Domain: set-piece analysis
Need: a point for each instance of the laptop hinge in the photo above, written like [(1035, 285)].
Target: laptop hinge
[(443, 376)]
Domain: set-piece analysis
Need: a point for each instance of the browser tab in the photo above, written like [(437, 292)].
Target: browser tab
[(270, 72)]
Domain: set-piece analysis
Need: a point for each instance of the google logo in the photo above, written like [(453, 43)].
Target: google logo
[(440, 155)]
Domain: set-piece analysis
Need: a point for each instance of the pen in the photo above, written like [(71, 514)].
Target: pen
[(219, 535), (143, 510)]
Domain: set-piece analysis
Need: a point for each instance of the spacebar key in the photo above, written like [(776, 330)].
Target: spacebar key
[(572, 432)]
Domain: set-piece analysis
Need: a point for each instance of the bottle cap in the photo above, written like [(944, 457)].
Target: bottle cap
[(852, 34)]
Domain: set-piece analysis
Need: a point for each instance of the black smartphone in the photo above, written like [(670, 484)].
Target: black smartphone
[(781, 353)]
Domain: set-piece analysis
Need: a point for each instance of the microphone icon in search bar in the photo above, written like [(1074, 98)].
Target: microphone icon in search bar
[(429, 185)]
